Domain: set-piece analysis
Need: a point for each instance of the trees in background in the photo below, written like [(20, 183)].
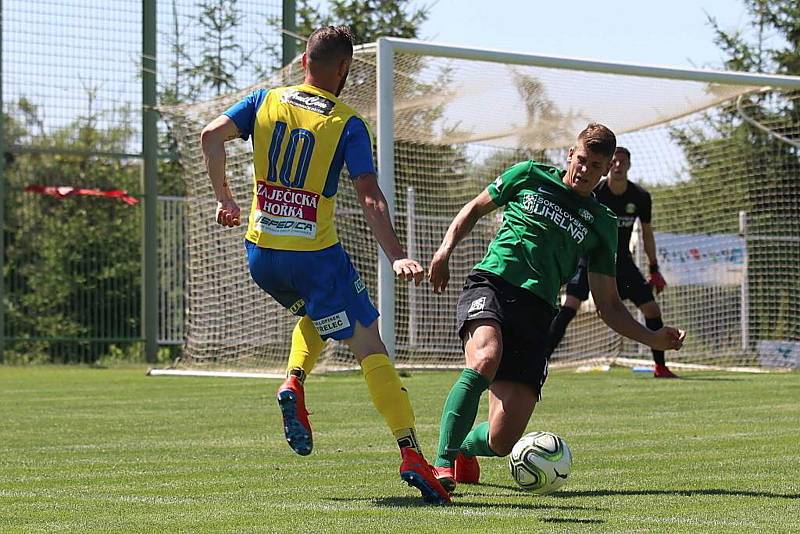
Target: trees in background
[(368, 19), (725, 152), (73, 266)]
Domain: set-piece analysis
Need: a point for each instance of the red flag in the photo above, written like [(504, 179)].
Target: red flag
[(64, 191)]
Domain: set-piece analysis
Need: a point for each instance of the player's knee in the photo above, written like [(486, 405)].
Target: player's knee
[(366, 340), (488, 349)]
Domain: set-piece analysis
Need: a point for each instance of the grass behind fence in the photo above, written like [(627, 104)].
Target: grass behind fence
[(112, 450)]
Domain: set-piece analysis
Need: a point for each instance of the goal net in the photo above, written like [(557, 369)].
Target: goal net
[(717, 151)]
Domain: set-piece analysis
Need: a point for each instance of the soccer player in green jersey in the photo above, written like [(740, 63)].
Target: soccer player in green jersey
[(504, 313)]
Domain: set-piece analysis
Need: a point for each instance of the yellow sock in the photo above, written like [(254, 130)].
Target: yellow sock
[(307, 345), (390, 398)]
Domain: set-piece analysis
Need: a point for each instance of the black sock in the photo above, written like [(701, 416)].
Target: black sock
[(410, 441), (558, 327), (655, 324), (299, 373)]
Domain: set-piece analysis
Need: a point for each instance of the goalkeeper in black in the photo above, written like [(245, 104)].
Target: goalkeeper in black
[(628, 201)]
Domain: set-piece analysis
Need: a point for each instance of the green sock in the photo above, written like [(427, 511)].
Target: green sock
[(458, 415), (477, 442)]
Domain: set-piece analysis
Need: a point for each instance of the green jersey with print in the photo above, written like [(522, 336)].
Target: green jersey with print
[(546, 229)]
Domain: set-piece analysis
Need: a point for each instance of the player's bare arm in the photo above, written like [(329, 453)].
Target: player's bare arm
[(213, 139), (614, 313), (656, 280), (439, 270), (373, 204)]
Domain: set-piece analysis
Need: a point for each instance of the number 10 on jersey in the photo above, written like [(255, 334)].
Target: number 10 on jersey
[(280, 168)]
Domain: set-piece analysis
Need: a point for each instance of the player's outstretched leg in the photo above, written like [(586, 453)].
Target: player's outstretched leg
[(466, 469), (458, 414), (291, 399), (391, 400)]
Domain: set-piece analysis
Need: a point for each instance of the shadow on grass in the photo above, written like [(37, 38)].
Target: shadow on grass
[(512, 490), (711, 378), (579, 520), (459, 500), (567, 494)]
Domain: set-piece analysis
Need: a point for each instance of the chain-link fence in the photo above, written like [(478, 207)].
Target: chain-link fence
[(73, 100)]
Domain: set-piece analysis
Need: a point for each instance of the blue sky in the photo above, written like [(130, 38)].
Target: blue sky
[(674, 32), (99, 42)]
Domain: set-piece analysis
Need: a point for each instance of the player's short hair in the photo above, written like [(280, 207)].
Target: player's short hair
[(624, 151), (330, 44), (599, 139)]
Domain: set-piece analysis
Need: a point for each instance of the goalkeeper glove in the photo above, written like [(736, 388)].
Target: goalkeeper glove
[(656, 280)]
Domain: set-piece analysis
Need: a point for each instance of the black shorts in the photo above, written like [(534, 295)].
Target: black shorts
[(631, 285), (524, 319)]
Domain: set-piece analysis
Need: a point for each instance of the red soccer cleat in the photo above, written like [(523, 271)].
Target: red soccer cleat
[(291, 399), (416, 472), (446, 477), (467, 469), (662, 371)]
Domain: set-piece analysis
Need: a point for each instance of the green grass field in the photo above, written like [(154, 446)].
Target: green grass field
[(113, 450)]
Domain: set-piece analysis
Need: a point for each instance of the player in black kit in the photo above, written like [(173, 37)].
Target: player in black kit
[(629, 202)]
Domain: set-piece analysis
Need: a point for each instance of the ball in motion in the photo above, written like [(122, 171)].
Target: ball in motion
[(540, 462)]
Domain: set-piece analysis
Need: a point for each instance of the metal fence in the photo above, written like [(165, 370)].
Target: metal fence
[(72, 291), (171, 270), (83, 276)]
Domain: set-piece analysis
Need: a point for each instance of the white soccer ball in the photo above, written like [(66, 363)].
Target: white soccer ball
[(540, 462)]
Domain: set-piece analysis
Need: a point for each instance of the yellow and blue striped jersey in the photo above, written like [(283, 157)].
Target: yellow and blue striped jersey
[(302, 137)]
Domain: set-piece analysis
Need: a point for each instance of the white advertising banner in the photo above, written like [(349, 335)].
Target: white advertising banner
[(779, 354), (701, 259)]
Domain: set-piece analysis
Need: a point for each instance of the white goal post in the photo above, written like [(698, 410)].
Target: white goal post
[(449, 119)]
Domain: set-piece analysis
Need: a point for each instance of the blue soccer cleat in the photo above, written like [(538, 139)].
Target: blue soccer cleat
[(296, 427)]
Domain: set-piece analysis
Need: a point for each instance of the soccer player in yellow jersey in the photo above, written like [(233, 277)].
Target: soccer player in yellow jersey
[(302, 137)]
